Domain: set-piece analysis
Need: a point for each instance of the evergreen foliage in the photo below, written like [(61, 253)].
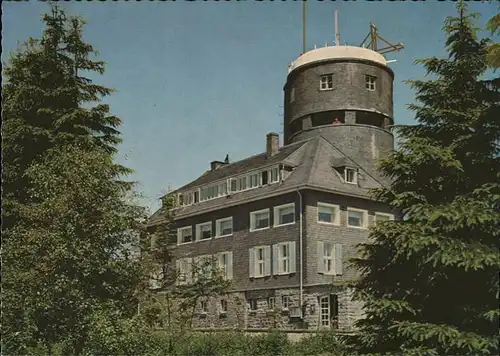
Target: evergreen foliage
[(48, 101), (493, 56), (68, 221), (430, 280)]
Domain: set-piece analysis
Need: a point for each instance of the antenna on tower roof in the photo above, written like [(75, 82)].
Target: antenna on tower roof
[(303, 26), (372, 43), (337, 33)]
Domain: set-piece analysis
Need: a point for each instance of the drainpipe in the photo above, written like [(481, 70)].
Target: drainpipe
[(301, 295)]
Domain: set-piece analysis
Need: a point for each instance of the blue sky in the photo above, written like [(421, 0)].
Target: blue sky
[(198, 80)]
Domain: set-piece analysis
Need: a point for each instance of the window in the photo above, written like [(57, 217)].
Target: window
[(213, 191), (284, 258), (223, 306), (370, 82), (259, 220), (225, 264), (224, 227), (292, 95), (184, 235), (203, 306), (356, 218), (328, 214), (271, 303), (254, 180), (252, 304), (330, 258), (324, 306), (196, 196), (351, 175), (259, 261), (326, 82), (286, 302), (284, 214), (205, 266), (184, 271), (264, 177), (383, 217), (204, 231), (274, 175)]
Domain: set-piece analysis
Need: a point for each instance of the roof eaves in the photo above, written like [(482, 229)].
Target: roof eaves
[(269, 195)]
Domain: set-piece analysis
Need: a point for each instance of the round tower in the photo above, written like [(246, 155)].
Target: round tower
[(343, 93)]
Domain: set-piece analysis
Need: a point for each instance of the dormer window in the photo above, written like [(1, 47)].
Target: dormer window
[(350, 175)]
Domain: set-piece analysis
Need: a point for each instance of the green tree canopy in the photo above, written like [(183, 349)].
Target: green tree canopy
[(430, 280), (47, 100)]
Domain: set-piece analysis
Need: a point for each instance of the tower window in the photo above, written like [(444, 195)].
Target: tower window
[(292, 95), (326, 82), (370, 82)]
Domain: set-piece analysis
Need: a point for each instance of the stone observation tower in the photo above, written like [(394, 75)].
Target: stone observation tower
[(343, 93), (283, 224)]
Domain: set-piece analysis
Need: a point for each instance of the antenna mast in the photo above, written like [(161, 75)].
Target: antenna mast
[(337, 33), (303, 26), (373, 36)]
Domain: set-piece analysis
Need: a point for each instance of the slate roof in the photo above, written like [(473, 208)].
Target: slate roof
[(245, 165), (315, 161)]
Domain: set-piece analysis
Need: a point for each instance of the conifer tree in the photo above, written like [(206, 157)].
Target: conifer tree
[(430, 281), (47, 101), (67, 219)]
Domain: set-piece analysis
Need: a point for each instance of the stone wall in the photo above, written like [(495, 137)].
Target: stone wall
[(238, 315)]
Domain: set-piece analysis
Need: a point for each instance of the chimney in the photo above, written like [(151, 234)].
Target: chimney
[(272, 144), (215, 164)]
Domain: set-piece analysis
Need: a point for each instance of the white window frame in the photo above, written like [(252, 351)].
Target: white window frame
[(179, 235), (184, 270), (335, 215), (277, 214), (253, 221), (283, 261), (327, 82), (201, 261), (336, 256), (364, 222), (254, 271), (370, 82), (280, 262), (355, 171), (259, 262), (288, 304), (226, 269), (198, 231), (218, 230), (390, 216)]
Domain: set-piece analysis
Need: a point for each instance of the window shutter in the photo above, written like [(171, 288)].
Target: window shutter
[(320, 257), (195, 267), (276, 251), (291, 246), (229, 265), (251, 262), (338, 259), (267, 260), (177, 271), (179, 237), (252, 219), (189, 270)]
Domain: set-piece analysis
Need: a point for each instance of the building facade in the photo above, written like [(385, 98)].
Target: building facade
[(283, 224)]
